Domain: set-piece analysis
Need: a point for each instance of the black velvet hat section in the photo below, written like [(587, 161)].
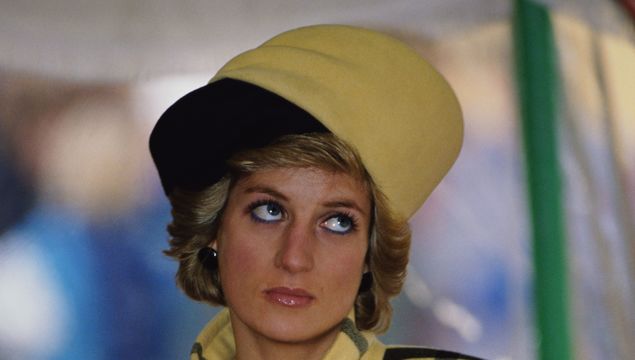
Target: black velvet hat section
[(193, 139)]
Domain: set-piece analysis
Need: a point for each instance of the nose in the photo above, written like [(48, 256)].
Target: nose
[(295, 253)]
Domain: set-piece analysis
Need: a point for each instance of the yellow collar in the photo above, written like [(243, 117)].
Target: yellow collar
[(216, 341)]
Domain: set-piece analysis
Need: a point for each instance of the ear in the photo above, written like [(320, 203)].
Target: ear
[(216, 240), (214, 244)]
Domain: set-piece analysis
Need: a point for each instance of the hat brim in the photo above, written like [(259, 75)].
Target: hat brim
[(193, 139)]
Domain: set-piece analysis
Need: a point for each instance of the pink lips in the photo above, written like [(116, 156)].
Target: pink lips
[(289, 297)]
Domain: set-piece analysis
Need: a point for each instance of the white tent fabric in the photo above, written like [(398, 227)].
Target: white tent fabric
[(128, 39)]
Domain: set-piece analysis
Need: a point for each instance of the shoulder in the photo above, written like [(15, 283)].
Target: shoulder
[(412, 353), (379, 351)]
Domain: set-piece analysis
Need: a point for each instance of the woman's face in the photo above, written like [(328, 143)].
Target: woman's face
[(291, 246)]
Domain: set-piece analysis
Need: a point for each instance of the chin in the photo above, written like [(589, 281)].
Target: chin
[(295, 326), (298, 331)]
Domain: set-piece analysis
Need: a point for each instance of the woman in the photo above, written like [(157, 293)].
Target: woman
[(291, 176)]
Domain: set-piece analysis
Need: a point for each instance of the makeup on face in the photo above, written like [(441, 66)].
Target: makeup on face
[(291, 297), (292, 245)]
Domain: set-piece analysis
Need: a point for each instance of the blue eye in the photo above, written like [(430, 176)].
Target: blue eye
[(267, 212), (340, 224)]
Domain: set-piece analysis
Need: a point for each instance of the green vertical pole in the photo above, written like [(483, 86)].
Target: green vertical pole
[(537, 77)]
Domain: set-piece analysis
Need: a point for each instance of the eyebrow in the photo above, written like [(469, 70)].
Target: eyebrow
[(266, 190), (345, 203), (277, 194)]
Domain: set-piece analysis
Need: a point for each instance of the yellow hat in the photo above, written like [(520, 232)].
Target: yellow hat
[(368, 88), (371, 90)]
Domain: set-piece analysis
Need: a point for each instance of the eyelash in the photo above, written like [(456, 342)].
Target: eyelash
[(349, 216), (261, 202)]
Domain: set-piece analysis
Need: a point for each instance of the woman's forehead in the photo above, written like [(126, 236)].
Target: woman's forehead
[(303, 174), (305, 182)]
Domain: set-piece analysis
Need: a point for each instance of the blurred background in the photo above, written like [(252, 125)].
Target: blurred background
[(82, 214)]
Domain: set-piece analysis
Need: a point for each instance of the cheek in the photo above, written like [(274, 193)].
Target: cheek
[(242, 256), (343, 269)]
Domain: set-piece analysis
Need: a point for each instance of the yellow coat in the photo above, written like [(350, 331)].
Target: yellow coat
[(216, 342)]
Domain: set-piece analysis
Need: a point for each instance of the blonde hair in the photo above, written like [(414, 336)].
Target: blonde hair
[(196, 217)]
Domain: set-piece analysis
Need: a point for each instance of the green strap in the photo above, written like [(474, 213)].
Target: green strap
[(537, 77)]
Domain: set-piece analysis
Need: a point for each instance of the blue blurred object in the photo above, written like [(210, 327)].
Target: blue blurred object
[(119, 299), (69, 261)]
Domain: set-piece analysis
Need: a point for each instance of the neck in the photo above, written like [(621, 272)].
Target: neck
[(252, 345)]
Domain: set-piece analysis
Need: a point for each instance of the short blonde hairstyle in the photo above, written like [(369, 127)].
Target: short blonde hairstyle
[(196, 217)]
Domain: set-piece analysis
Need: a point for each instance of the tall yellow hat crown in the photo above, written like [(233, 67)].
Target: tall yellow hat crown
[(371, 90)]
